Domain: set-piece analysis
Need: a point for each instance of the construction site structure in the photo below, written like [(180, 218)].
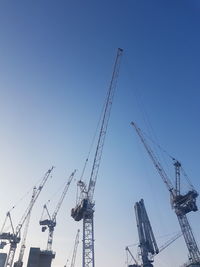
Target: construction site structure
[(73, 260), (181, 203), (3, 257), (19, 262), (50, 223), (39, 258), (147, 243), (14, 237), (84, 209)]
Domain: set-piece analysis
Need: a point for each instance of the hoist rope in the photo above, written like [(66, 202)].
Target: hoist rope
[(91, 146), (22, 198), (187, 178)]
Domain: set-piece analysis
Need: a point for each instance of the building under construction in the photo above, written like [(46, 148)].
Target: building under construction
[(182, 204), (40, 258)]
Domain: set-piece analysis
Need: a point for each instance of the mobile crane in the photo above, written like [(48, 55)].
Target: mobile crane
[(50, 223), (84, 209), (181, 203), (14, 237)]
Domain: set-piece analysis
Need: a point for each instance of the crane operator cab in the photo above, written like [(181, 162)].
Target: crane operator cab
[(184, 204)]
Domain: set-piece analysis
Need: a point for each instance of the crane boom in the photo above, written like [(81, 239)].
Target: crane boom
[(181, 203), (169, 242), (153, 157), (14, 238), (147, 242), (19, 263), (63, 195), (51, 222), (85, 209), (104, 125), (75, 249)]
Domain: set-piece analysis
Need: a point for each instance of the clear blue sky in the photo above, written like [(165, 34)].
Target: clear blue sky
[(56, 60)]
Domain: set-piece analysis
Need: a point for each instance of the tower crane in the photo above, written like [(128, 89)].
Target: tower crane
[(19, 262), (181, 203), (147, 242), (51, 222), (14, 237), (84, 210), (73, 260)]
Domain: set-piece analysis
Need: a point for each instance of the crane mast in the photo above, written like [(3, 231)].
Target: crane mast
[(181, 203), (85, 209), (19, 263), (14, 238), (147, 242), (51, 222)]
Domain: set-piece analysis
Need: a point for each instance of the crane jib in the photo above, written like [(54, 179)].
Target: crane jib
[(104, 125)]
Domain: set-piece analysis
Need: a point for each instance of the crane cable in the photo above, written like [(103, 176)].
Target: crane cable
[(89, 152), (170, 156), (22, 198), (18, 202)]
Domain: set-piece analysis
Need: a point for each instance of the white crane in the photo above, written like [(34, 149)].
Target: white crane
[(85, 208), (51, 221), (73, 260), (181, 203), (19, 262), (14, 237)]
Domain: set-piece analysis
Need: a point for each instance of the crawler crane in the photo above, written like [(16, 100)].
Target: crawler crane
[(14, 237), (84, 210), (51, 222), (181, 203)]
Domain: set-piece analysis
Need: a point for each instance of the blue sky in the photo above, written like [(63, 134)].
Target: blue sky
[(56, 60)]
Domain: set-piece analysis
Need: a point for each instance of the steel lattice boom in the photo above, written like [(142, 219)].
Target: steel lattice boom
[(14, 238), (147, 242), (19, 263), (51, 222), (181, 203), (85, 209)]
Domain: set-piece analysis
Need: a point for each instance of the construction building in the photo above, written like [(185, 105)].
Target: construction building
[(3, 257), (40, 258)]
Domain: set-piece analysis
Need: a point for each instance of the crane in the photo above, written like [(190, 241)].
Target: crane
[(51, 222), (14, 237), (84, 210), (147, 242), (73, 260), (181, 203), (19, 262)]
